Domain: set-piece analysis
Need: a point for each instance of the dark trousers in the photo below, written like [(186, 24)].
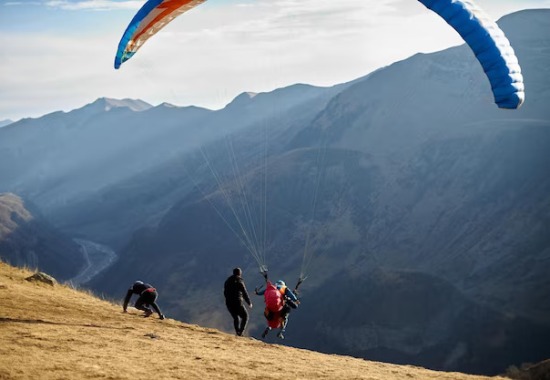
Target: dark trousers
[(289, 305), (147, 299), (240, 317)]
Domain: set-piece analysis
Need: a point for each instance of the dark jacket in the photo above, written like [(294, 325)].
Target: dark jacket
[(235, 292), (138, 288)]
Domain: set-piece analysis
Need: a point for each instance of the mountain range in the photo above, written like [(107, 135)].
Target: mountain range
[(418, 210), (3, 123)]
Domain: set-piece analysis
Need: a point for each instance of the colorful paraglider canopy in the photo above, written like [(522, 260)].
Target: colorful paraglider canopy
[(488, 42), (490, 46), (152, 17)]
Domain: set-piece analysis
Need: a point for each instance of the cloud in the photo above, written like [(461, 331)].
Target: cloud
[(10, 3), (290, 20), (208, 56), (96, 5), (216, 51)]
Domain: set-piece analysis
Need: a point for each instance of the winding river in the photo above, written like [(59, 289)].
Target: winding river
[(97, 257)]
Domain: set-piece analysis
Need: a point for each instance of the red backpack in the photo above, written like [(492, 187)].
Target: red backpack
[(273, 298)]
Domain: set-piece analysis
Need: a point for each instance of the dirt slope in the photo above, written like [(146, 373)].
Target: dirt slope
[(60, 333)]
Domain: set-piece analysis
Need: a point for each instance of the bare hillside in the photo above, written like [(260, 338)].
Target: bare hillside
[(29, 239), (60, 333)]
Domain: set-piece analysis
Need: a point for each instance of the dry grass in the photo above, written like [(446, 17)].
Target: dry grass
[(61, 333)]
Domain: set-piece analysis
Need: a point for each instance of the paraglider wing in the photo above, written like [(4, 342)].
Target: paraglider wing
[(152, 17), (490, 46)]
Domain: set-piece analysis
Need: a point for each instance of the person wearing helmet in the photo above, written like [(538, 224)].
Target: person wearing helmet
[(287, 293), (147, 298), (277, 317), (290, 302)]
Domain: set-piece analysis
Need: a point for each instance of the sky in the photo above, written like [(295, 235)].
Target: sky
[(58, 55)]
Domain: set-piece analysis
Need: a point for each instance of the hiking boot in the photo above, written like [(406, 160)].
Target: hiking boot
[(147, 313), (264, 334)]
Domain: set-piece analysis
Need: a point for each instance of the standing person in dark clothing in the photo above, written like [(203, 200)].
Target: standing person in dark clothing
[(235, 293), (147, 297)]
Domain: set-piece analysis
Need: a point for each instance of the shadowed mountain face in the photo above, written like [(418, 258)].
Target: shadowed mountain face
[(466, 187), (415, 318), (457, 308), (418, 176), (84, 159), (26, 239), (420, 209)]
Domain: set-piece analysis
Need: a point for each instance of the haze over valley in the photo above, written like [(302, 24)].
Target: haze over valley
[(419, 212)]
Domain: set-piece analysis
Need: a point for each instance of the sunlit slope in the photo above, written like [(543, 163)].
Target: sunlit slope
[(60, 333), (28, 239)]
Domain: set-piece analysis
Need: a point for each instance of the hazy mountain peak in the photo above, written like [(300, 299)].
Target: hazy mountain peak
[(250, 94), (531, 15), (297, 87), (242, 99), (166, 105), (526, 24), (3, 123), (107, 104)]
